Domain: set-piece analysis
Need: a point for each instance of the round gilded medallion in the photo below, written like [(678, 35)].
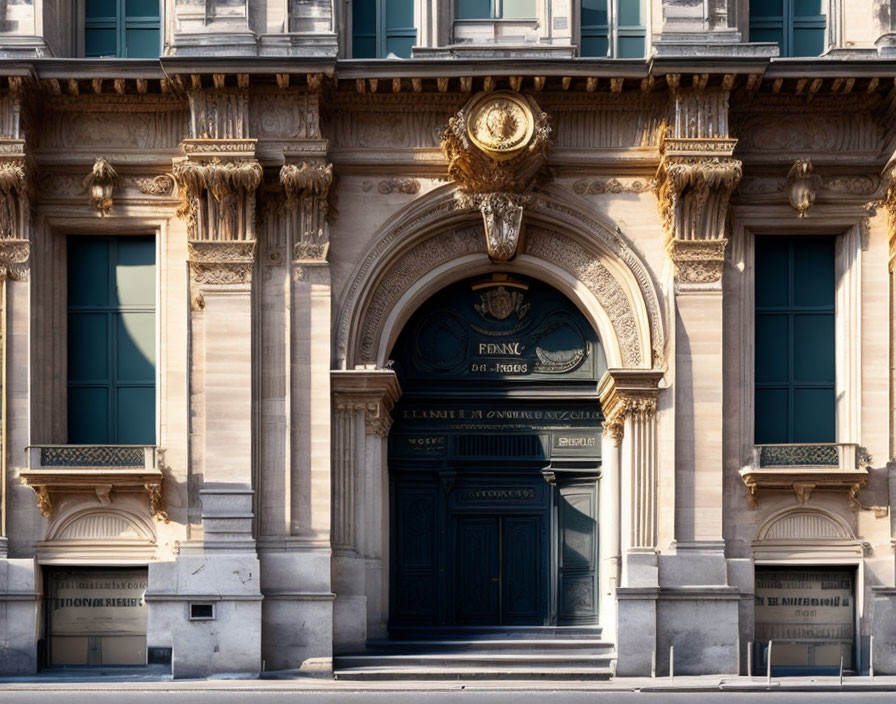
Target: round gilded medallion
[(500, 124)]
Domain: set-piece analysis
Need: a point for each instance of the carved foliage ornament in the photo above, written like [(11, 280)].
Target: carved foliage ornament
[(496, 147), (218, 197), (698, 261), (221, 263), (13, 199), (14, 259), (307, 185)]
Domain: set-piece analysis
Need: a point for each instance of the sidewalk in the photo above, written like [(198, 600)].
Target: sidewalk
[(294, 681)]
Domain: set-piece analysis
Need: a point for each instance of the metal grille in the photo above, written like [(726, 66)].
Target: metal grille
[(798, 456), (500, 446), (93, 456)]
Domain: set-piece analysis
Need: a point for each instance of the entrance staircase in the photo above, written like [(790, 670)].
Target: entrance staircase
[(483, 653)]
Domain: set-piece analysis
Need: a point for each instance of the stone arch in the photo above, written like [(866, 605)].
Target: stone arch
[(432, 243), (804, 524), (104, 525)]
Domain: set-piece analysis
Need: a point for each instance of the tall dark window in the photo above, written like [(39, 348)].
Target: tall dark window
[(631, 31), (124, 28), (798, 26), (111, 340), (794, 295), (383, 27)]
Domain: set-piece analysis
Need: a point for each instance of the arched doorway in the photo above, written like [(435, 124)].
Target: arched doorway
[(494, 460)]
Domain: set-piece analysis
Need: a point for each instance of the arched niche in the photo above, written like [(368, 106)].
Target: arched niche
[(431, 244), (98, 535), (806, 535)]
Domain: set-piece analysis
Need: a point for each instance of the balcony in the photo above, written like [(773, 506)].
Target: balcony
[(100, 470), (806, 468)]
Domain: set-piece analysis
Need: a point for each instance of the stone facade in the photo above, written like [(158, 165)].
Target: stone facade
[(304, 205)]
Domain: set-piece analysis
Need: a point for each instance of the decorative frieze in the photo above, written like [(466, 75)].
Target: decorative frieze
[(221, 263), (14, 254), (306, 185), (496, 147), (698, 261)]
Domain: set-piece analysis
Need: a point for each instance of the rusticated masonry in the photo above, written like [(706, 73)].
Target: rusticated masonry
[(696, 177)]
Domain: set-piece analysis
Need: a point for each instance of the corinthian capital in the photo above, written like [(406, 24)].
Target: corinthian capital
[(306, 185), (889, 202), (627, 393), (695, 181)]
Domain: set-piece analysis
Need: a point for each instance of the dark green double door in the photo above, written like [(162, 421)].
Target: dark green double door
[(498, 569)]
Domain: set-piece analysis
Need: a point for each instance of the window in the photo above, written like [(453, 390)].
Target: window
[(381, 28), (795, 376), (597, 39), (495, 9), (798, 26), (111, 340), (123, 28)]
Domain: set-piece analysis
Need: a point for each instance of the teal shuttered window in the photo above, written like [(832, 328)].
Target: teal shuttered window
[(631, 31), (111, 340), (124, 28), (495, 9), (798, 26), (794, 295), (381, 28)]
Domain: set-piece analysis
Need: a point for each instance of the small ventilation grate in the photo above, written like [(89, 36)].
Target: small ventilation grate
[(500, 446)]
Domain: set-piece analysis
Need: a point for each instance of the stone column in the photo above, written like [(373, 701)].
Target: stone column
[(298, 608), (19, 577), (696, 177), (609, 531), (362, 402), (628, 398), (217, 177)]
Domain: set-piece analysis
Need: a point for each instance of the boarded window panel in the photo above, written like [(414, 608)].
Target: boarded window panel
[(813, 415), (142, 43), (88, 348), (630, 13), (88, 272), (88, 415), (772, 349), (813, 271), (808, 41), (135, 271), (807, 7), (594, 12), (772, 272), (97, 9), (813, 351), (772, 414), (400, 46), (474, 9), (136, 415), (594, 45), (517, 9), (141, 8), (631, 47), (135, 347), (399, 13), (364, 29)]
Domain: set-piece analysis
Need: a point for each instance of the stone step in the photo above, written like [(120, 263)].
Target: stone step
[(488, 645), (456, 661), (418, 633), (473, 673)]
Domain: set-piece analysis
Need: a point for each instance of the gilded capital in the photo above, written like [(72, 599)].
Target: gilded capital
[(496, 147)]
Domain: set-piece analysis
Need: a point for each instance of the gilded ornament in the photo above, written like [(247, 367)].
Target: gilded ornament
[(500, 124)]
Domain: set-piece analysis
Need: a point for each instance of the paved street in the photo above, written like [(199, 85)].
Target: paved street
[(470, 694)]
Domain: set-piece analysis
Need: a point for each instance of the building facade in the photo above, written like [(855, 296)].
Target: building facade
[(328, 328)]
